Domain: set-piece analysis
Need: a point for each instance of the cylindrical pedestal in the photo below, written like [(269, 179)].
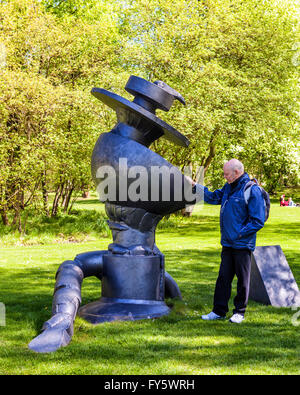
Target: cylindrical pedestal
[(132, 289)]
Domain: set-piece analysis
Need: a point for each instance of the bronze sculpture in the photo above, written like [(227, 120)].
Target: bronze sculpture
[(134, 281)]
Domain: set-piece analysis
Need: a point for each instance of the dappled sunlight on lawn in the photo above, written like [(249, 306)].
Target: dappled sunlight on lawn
[(180, 343)]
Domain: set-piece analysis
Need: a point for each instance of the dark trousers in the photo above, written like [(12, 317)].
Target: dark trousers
[(234, 262)]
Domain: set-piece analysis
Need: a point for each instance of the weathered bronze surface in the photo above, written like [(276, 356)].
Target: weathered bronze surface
[(132, 272)]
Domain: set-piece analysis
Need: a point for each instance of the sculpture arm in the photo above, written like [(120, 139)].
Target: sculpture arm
[(58, 330)]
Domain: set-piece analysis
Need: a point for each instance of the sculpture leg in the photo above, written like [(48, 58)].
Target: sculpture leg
[(58, 331), (133, 287), (172, 290)]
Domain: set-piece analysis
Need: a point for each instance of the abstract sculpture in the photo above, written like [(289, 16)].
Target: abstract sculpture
[(272, 281), (134, 281)]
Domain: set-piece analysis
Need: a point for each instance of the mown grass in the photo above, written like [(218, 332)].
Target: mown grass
[(267, 342)]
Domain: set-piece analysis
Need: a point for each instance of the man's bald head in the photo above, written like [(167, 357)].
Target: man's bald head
[(233, 169)]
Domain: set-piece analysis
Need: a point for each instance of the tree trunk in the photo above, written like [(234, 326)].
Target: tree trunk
[(57, 197), (67, 189), (71, 206), (211, 155), (20, 223), (17, 206), (68, 198), (4, 217), (17, 218), (45, 194), (21, 198)]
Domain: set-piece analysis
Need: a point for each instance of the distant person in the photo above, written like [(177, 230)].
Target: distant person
[(239, 223), (283, 203), (291, 203)]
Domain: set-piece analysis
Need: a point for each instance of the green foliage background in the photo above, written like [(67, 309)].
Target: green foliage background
[(235, 62)]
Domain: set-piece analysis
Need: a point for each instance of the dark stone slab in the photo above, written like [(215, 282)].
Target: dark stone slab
[(272, 281)]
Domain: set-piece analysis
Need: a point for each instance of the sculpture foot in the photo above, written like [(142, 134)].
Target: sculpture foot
[(57, 332)]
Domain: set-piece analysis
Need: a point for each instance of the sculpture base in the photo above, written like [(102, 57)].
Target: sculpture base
[(113, 309)]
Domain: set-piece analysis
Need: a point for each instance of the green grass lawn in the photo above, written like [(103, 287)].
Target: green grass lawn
[(267, 342)]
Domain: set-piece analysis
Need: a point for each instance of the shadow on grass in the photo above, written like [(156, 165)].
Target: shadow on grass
[(88, 202), (211, 345), (187, 342), (181, 340), (290, 229)]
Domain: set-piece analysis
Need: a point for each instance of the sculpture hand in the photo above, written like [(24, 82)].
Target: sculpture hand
[(190, 180), (57, 332)]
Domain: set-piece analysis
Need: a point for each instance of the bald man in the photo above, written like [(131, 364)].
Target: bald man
[(239, 223)]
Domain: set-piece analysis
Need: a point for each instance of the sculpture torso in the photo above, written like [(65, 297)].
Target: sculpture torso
[(124, 150)]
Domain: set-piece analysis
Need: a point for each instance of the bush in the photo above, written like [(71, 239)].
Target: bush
[(80, 225)]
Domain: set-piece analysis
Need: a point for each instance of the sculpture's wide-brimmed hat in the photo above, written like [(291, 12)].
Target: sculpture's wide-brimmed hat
[(148, 97)]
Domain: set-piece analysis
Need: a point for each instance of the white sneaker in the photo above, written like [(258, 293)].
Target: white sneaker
[(211, 316), (236, 318)]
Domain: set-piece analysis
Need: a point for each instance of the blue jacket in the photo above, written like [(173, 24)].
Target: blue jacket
[(239, 222)]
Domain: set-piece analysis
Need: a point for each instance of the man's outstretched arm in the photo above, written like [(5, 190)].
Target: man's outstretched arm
[(209, 197)]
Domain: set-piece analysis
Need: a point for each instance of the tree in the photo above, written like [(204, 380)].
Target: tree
[(232, 61), (50, 121)]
